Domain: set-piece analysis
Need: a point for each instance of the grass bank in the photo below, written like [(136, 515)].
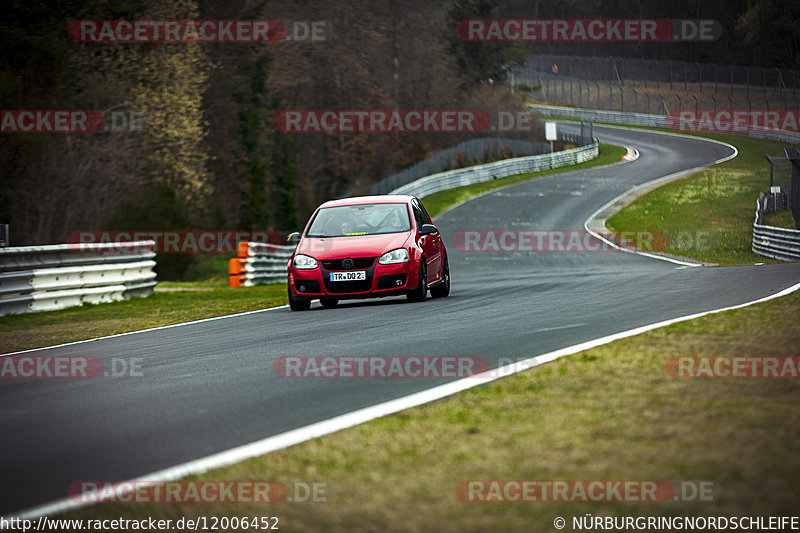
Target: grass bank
[(609, 413)]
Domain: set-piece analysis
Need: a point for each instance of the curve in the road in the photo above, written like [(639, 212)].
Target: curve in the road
[(208, 387)]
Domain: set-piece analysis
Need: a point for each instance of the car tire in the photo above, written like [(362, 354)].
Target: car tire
[(421, 292), (443, 289), (298, 304), (329, 303)]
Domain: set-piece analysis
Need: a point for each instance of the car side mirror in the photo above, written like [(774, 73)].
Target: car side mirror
[(293, 238), (428, 229)]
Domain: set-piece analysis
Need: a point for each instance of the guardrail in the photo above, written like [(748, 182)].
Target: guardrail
[(46, 278), (643, 119), (482, 149), (499, 169), (259, 262), (774, 242)]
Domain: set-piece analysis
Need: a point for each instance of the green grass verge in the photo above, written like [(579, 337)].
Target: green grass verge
[(611, 412), (185, 301), (780, 219), (191, 301), (709, 215), (438, 202)]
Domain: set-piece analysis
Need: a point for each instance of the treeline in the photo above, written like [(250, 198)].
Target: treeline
[(764, 33), (210, 157)]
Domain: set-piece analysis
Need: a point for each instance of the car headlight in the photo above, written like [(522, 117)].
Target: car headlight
[(304, 262), (395, 256)]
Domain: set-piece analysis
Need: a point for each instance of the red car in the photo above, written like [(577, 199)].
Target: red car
[(365, 247)]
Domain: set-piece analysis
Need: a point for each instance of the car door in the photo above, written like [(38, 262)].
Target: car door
[(431, 244)]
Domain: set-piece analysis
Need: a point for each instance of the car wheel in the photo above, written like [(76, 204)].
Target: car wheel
[(298, 304), (421, 292), (443, 289), (329, 303)]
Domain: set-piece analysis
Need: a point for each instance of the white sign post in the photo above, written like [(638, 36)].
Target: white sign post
[(550, 134)]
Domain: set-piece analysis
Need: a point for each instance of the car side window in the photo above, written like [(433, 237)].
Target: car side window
[(425, 216), (417, 214)]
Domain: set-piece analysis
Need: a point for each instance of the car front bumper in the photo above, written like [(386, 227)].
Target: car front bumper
[(381, 280)]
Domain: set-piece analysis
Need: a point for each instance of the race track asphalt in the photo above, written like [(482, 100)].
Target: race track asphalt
[(210, 386)]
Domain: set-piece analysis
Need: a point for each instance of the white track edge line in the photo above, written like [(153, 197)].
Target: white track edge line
[(338, 423), (666, 179), (199, 320), (235, 314)]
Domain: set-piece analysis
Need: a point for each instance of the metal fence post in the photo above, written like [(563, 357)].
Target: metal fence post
[(670, 75), (716, 79), (700, 75), (542, 86), (571, 101), (731, 79), (794, 156), (747, 71), (597, 106), (685, 76)]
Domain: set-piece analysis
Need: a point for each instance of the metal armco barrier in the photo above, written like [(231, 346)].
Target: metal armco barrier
[(777, 243), (258, 263), (46, 278), (642, 119), (499, 169)]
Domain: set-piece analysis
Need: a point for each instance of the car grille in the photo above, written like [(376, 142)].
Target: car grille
[(359, 263), (340, 287), (349, 286)]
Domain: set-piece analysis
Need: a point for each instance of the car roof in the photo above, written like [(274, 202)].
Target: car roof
[(379, 199)]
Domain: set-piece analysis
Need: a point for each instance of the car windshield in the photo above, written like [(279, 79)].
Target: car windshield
[(362, 219)]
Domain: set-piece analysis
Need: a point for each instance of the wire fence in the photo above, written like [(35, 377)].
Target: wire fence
[(780, 179), (648, 86), (705, 77)]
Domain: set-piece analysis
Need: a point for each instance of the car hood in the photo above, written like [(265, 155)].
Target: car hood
[(357, 246)]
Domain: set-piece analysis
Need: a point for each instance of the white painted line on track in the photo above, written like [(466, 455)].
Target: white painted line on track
[(168, 326), (338, 423), (651, 184), (366, 414)]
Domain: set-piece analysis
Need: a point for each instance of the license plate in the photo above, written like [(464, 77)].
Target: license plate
[(353, 275)]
